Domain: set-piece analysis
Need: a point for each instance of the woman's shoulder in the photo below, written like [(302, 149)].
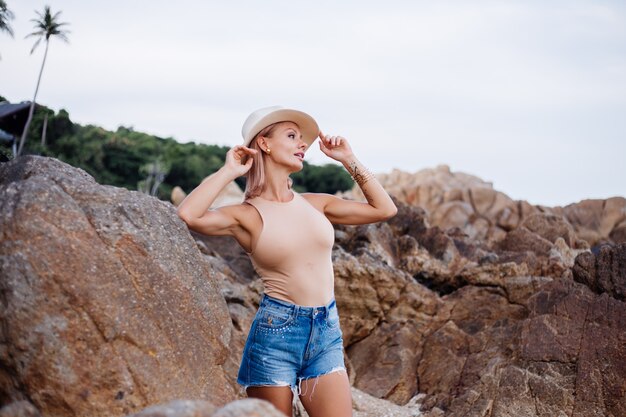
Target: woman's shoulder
[(242, 209), (318, 200)]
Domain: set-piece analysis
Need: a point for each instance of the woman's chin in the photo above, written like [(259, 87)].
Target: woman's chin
[(296, 167)]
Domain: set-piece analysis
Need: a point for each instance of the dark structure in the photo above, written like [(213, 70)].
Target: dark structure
[(12, 121)]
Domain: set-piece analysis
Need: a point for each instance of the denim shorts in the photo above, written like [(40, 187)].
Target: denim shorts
[(288, 343)]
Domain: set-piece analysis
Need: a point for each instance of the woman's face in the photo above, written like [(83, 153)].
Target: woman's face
[(286, 145)]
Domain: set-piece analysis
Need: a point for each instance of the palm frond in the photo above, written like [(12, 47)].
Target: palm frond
[(5, 16), (35, 45), (47, 25)]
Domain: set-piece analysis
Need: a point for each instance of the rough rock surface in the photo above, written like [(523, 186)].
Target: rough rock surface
[(106, 306), (456, 199), (241, 408), (518, 311), (604, 272), (179, 408)]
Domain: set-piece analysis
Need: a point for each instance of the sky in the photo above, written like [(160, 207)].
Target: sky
[(528, 95)]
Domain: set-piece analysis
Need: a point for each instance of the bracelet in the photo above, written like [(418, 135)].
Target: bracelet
[(360, 176)]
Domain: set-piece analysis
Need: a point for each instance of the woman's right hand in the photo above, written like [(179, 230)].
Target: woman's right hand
[(234, 160)]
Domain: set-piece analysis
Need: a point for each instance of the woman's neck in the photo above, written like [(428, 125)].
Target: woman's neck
[(276, 188)]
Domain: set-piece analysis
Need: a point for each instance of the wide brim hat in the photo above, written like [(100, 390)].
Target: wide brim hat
[(266, 116)]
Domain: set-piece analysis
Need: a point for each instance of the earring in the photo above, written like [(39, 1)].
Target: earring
[(268, 150)]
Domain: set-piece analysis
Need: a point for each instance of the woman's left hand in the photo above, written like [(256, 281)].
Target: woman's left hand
[(335, 147)]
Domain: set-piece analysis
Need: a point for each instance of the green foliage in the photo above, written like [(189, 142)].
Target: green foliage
[(122, 158), (328, 178)]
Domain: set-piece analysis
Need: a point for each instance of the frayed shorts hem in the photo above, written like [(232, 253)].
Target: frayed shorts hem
[(296, 389)]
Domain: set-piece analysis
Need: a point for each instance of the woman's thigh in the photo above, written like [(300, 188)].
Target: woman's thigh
[(327, 395), (280, 397)]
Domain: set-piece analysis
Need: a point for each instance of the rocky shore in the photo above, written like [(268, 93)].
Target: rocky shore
[(467, 303)]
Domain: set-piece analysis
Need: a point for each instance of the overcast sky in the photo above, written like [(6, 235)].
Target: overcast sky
[(529, 95)]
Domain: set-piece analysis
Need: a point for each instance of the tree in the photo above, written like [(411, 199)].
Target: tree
[(5, 16), (46, 26)]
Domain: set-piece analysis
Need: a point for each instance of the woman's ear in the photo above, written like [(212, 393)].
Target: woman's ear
[(263, 143)]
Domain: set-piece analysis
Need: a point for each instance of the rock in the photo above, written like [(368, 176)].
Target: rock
[(604, 272), (464, 347), (593, 220), (231, 194), (522, 240), (178, 408), (550, 227), (618, 234), (108, 306), (455, 199), (250, 407), (365, 405), (185, 408), (385, 361), (177, 196), (580, 335), (19, 409)]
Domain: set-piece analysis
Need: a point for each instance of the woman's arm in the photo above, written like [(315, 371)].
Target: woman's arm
[(379, 205), (194, 209)]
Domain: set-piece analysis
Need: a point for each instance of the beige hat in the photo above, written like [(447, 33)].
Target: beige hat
[(266, 116)]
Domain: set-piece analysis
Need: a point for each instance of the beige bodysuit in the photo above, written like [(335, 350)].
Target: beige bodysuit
[(292, 254)]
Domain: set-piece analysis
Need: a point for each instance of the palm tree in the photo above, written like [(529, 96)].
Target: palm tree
[(5, 16), (46, 26)]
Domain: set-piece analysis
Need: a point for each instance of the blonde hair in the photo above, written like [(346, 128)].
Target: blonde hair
[(255, 177)]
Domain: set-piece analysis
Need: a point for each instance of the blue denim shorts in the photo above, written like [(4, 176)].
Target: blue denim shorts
[(288, 343)]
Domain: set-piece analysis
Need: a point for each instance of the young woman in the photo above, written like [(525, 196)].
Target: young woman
[(295, 344)]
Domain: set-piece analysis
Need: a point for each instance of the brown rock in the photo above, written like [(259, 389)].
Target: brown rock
[(593, 220), (604, 272), (540, 389), (365, 290), (465, 346), (522, 239), (386, 361), (505, 330), (455, 199), (618, 234), (108, 306), (550, 227), (179, 408)]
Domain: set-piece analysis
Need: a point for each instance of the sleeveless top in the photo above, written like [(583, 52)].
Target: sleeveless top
[(292, 254)]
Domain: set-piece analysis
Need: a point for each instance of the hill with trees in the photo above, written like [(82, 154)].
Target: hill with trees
[(136, 160)]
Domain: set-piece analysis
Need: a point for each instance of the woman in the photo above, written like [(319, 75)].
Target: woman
[(295, 344)]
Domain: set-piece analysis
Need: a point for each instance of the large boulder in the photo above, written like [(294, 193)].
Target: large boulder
[(107, 305)]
